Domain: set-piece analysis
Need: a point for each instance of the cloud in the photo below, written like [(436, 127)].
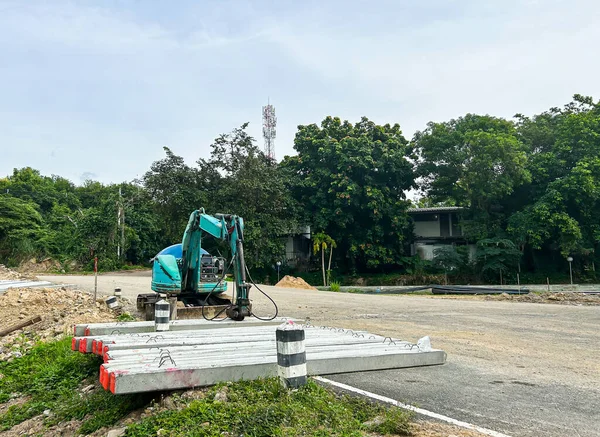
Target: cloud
[(484, 56), (89, 87)]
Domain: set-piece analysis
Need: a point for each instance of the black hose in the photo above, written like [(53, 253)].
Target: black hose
[(268, 297), (215, 317)]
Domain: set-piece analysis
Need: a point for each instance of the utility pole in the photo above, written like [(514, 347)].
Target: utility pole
[(120, 225)]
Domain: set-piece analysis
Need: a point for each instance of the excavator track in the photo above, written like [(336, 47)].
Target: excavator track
[(194, 306)]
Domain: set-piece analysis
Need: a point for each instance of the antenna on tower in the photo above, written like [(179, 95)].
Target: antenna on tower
[(269, 131)]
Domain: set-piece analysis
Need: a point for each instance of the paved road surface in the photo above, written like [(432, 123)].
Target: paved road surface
[(523, 369)]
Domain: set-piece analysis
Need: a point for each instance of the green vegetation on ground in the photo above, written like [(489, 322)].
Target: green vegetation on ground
[(265, 408), (126, 317), (334, 286), (50, 377)]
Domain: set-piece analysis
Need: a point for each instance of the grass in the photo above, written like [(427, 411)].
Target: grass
[(264, 408), (334, 286), (49, 376), (126, 317)]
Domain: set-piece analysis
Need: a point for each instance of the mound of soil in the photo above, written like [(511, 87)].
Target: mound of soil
[(293, 282), (59, 308), (10, 275), (44, 266)]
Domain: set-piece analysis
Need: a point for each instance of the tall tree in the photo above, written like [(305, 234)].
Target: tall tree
[(176, 189), (241, 180), (322, 242), (472, 161), (20, 229), (561, 205), (351, 181)]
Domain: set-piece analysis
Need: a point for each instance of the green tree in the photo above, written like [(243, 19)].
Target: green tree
[(20, 229), (241, 180), (448, 259), (175, 190), (470, 161), (559, 209), (497, 255), (29, 185), (350, 180), (321, 242), (474, 161)]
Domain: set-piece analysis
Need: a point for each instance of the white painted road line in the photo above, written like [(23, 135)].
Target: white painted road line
[(411, 408)]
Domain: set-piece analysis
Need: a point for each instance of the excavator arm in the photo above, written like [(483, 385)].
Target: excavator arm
[(226, 227)]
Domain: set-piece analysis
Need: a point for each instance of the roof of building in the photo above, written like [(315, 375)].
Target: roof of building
[(437, 209)]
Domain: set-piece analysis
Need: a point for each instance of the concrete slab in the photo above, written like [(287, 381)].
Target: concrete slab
[(208, 371), (199, 357)]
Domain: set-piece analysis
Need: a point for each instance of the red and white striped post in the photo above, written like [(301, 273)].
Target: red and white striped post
[(95, 278)]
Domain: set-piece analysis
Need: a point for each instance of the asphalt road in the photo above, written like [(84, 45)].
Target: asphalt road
[(523, 369)]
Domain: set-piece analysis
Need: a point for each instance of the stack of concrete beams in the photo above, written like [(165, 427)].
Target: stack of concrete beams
[(199, 353)]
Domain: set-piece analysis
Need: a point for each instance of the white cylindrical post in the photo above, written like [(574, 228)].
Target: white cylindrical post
[(161, 315), (112, 302), (291, 355)]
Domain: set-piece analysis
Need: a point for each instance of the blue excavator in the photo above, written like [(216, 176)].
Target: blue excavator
[(196, 278)]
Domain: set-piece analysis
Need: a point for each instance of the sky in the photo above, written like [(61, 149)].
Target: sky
[(95, 89)]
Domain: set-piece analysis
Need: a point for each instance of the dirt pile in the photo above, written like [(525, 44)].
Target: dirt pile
[(566, 298), (293, 282), (59, 308), (11, 275)]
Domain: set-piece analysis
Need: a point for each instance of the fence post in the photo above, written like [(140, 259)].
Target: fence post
[(291, 355), (95, 279)]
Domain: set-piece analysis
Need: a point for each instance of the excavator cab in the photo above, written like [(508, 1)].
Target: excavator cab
[(166, 272)]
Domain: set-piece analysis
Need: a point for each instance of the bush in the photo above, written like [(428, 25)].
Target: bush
[(334, 286)]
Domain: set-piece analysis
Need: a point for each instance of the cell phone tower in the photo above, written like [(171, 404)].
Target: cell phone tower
[(269, 131)]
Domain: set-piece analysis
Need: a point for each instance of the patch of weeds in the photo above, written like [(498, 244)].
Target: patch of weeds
[(334, 286), (355, 290), (50, 375), (126, 317), (394, 422), (264, 408)]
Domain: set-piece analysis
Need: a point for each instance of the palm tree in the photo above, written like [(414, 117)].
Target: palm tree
[(320, 242)]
